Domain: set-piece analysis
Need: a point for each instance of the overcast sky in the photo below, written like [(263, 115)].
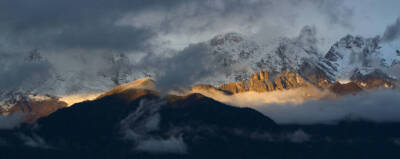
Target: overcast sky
[(140, 26), (73, 34)]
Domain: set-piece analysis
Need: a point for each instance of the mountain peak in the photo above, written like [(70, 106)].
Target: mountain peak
[(132, 90), (353, 53), (264, 82), (343, 89), (144, 83)]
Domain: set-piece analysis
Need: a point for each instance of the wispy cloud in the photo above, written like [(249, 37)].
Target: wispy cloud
[(137, 128), (392, 31), (10, 121)]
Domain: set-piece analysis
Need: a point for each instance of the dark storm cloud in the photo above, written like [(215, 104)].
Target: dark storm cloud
[(103, 37), (23, 74), (219, 16), (392, 31), (93, 24), (77, 27), (189, 66), (70, 24)]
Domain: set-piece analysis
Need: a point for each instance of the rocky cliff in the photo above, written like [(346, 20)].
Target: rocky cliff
[(264, 82)]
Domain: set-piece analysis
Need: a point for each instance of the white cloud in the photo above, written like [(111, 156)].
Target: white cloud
[(378, 106), (170, 145), (310, 106), (34, 141), (138, 125), (10, 121), (298, 136)]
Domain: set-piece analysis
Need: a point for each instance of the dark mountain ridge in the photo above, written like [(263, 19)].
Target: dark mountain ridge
[(191, 126)]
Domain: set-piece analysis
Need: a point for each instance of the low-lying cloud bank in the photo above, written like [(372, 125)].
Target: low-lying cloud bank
[(379, 106), (137, 128), (10, 121), (305, 106), (255, 99)]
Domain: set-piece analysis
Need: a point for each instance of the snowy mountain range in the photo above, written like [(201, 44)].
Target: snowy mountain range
[(352, 58)]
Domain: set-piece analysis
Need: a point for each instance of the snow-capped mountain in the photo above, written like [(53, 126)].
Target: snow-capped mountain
[(241, 57), (349, 55), (42, 78), (352, 58), (352, 54)]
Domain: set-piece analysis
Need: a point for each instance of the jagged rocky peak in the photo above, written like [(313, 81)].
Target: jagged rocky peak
[(344, 89), (360, 60), (241, 56), (353, 45), (234, 55), (234, 47), (353, 53), (261, 76), (31, 106), (36, 70), (9, 99), (264, 82), (132, 90), (375, 79)]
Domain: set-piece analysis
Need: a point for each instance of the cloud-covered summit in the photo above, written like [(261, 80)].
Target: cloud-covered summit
[(80, 37)]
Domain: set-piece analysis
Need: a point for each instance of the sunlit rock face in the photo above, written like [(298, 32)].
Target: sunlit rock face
[(243, 65), (375, 79), (346, 88), (33, 107), (349, 56), (237, 57), (132, 90), (79, 97), (36, 106), (268, 82), (191, 124), (262, 82)]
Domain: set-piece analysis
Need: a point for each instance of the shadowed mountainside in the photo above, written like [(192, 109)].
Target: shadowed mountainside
[(192, 126)]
